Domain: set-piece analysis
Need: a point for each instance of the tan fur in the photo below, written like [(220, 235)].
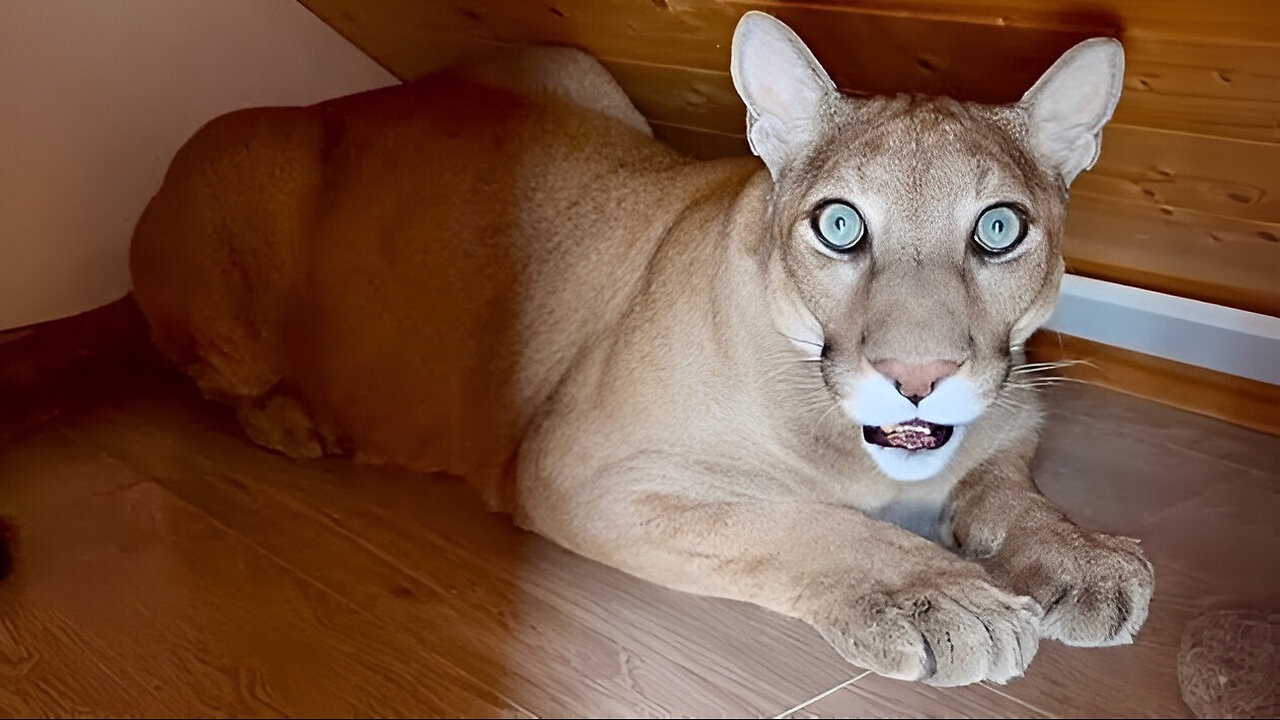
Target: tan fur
[(526, 289)]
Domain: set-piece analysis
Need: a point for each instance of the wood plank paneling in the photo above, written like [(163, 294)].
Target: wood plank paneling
[(1225, 88), (1255, 21), (703, 99), (867, 52), (1207, 257), (699, 143), (1219, 176), (1189, 82), (1182, 200)]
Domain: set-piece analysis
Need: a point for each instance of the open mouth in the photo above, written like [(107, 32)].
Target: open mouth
[(913, 434)]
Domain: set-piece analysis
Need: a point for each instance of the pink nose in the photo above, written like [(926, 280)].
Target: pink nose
[(916, 380)]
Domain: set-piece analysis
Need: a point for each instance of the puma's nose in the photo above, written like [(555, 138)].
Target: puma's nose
[(916, 380)]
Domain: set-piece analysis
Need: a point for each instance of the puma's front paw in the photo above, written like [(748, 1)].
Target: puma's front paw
[(1094, 588), (945, 629)]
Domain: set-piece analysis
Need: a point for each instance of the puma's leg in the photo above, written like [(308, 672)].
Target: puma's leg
[(1094, 587), (279, 421), (885, 599)]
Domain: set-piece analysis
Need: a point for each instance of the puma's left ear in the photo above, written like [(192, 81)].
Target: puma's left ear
[(783, 87), (1070, 103)]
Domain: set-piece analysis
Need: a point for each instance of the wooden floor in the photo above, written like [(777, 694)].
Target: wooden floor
[(166, 566)]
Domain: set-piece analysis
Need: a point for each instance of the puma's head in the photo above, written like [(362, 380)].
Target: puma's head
[(915, 242)]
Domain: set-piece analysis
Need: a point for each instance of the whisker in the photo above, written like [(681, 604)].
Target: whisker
[(1036, 378), (1036, 374), (1044, 381), (1008, 400), (818, 423), (1016, 407), (1038, 366), (1020, 370), (1042, 366), (799, 340)]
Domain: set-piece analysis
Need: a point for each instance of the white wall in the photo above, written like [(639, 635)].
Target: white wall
[(95, 98)]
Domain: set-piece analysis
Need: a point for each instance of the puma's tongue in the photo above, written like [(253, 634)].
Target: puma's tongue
[(914, 434)]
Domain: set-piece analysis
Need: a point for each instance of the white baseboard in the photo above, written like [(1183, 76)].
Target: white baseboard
[(1211, 336)]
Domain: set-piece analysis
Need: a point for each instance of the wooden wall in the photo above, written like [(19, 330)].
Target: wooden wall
[(1185, 198)]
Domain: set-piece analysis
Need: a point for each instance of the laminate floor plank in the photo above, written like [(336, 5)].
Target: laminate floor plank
[(565, 635), (187, 617)]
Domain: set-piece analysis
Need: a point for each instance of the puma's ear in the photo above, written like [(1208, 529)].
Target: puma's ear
[(1070, 103), (783, 87)]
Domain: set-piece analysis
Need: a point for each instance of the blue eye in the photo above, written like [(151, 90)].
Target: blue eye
[(999, 229), (838, 225)]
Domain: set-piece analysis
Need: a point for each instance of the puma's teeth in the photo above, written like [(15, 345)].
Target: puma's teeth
[(914, 434)]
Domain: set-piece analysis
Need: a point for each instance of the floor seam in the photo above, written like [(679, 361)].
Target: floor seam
[(821, 695), (1024, 703)]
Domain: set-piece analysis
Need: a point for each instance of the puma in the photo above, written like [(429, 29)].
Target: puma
[(798, 384)]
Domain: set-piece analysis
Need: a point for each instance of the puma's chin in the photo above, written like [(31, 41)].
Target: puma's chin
[(912, 451)]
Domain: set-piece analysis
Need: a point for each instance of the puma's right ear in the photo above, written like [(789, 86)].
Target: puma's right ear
[(1070, 103), (783, 87)]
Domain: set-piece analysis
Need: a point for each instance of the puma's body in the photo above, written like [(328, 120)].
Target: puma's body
[(521, 286), (475, 249)]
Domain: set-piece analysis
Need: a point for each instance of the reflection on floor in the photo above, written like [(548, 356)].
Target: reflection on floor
[(168, 567)]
